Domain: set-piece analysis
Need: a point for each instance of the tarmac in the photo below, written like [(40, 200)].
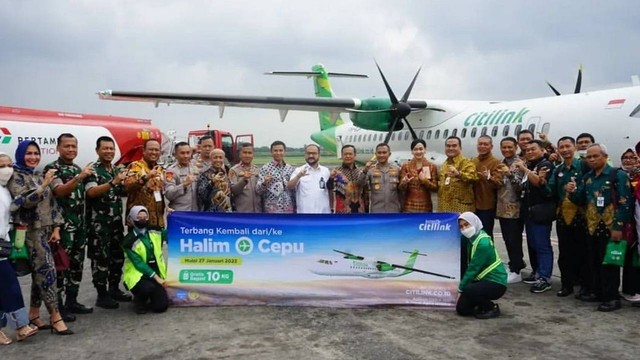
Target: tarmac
[(532, 326)]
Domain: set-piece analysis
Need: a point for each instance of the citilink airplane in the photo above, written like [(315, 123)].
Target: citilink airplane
[(612, 116), (356, 265)]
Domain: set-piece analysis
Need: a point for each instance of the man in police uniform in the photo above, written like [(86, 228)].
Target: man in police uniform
[(180, 179), (106, 229), (244, 179), (382, 179), (605, 219), (68, 188)]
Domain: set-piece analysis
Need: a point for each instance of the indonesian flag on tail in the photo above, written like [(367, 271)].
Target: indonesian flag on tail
[(615, 104)]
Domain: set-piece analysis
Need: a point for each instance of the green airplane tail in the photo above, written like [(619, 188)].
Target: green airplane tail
[(411, 261)]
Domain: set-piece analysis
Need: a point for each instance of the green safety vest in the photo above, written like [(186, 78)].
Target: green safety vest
[(494, 265), (131, 275)]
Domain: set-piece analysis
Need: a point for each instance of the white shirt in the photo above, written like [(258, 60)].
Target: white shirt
[(5, 214), (312, 196)]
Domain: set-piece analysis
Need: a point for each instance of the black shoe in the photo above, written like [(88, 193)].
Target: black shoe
[(609, 306), (77, 308), (119, 295), (140, 309), (489, 314), (540, 286), (531, 279), (564, 292), (66, 316), (62, 332), (106, 302), (587, 297)]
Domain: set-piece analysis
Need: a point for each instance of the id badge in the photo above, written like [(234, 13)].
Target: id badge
[(157, 196), (447, 180), (600, 201), (427, 172)]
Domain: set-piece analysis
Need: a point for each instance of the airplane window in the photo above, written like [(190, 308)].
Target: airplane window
[(494, 131), (517, 130), (421, 135), (406, 135), (445, 134), (437, 134), (428, 134), (484, 131), (369, 137), (473, 132), (463, 133), (545, 128), (505, 131), (454, 132), (393, 136), (532, 128)]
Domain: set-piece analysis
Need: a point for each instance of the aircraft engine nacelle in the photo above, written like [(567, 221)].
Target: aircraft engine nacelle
[(374, 115), (384, 267)]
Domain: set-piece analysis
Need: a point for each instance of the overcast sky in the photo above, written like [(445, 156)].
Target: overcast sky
[(57, 54)]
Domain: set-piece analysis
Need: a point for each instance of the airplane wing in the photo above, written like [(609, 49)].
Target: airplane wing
[(266, 102), (349, 256), (418, 270)]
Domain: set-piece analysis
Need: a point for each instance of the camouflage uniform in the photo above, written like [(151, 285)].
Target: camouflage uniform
[(141, 190), (73, 234), (106, 229)]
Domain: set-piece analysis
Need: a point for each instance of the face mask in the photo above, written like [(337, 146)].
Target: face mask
[(468, 232), (582, 153), (141, 224), (5, 175)]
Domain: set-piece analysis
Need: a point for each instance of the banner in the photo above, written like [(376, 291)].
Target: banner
[(313, 260)]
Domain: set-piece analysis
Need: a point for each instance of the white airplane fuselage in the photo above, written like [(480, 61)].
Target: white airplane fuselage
[(345, 267), (604, 114)]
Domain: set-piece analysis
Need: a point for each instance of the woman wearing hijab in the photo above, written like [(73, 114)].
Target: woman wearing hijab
[(35, 208), (12, 310), (631, 274), (485, 278), (145, 270)]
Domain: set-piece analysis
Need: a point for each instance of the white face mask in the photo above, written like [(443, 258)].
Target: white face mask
[(582, 153), (468, 232), (5, 175)]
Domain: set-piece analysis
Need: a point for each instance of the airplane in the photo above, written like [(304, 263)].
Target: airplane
[(356, 265), (610, 115), (44, 127)]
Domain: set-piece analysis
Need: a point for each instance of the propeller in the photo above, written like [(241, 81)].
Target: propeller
[(578, 84), (399, 108)]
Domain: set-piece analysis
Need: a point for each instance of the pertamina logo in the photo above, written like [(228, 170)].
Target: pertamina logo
[(5, 136)]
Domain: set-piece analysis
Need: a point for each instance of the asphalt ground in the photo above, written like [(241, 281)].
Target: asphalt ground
[(531, 326)]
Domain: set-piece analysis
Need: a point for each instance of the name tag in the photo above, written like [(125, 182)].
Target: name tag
[(447, 180), (600, 201), (157, 196)]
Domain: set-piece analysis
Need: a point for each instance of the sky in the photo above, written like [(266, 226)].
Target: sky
[(56, 55)]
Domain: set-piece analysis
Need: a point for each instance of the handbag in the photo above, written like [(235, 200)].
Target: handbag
[(614, 253), (60, 257), (543, 213)]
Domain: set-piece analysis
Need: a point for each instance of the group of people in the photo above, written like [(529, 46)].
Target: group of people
[(81, 209)]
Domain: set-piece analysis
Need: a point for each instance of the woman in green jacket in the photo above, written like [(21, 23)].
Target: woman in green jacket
[(485, 278), (145, 269)]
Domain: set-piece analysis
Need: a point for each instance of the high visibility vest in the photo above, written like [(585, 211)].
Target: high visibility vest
[(131, 275), (494, 265)]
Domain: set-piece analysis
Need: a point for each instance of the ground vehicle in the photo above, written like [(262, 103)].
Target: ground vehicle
[(222, 140), (44, 127)]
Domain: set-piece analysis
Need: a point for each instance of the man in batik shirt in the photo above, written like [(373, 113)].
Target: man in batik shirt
[(343, 183), (272, 182)]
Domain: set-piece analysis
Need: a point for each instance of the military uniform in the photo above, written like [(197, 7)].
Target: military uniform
[(106, 228), (383, 181), (146, 191), (73, 234)]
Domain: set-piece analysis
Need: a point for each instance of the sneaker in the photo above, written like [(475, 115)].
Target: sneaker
[(631, 298), (540, 286), (531, 279), (513, 278)]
